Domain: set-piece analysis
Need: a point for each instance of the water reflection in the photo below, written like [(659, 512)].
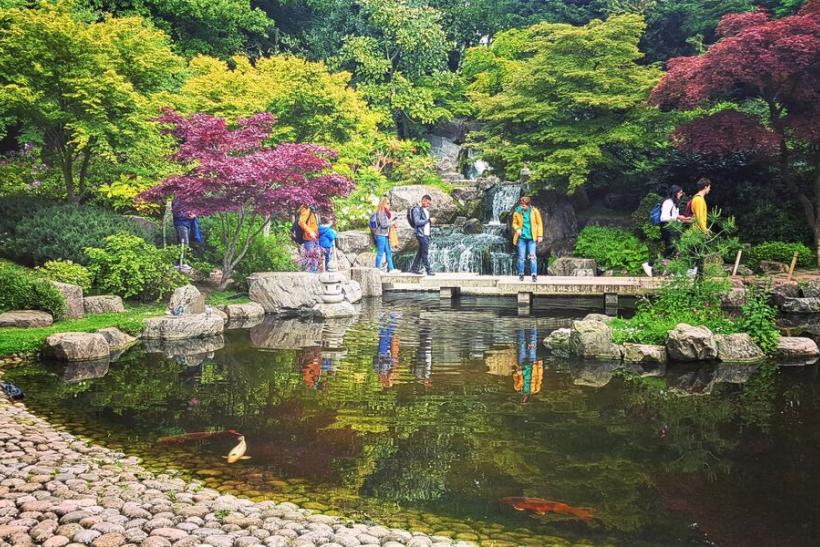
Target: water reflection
[(529, 373)]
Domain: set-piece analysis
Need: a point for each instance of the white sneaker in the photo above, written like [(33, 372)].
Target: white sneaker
[(692, 272), (647, 269), (394, 271)]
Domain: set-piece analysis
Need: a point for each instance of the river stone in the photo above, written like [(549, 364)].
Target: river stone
[(558, 342), (738, 348), (445, 152), (243, 312), (734, 299), (117, 340), (406, 234), (599, 317), (25, 318), (354, 241), (593, 340), (333, 311), (801, 305), (352, 291), (770, 267), (369, 279), (184, 326), (76, 346), (810, 289), (781, 291), (73, 296), (688, 343), (644, 353), (573, 267), (189, 299), (796, 349), (341, 261), (473, 226), (285, 292), (443, 207), (103, 304), (560, 224)]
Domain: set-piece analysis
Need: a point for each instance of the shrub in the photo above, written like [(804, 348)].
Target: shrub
[(130, 267), (611, 248), (22, 290), (63, 231), (780, 251), (640, 217), (66, 271), (758, 319)]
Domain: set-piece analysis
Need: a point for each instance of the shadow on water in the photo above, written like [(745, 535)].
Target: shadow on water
[(426, 415)]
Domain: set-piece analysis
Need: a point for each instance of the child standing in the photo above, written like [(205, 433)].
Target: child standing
[(327, 240)]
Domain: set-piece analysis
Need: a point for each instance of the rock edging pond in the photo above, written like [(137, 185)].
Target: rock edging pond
[(56, 489)]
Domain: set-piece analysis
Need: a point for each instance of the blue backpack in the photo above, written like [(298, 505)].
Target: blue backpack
[(655, 215), (374, 221)]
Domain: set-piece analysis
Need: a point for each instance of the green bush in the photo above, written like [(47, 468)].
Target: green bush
[(611, 248), (130, 267), (22, 290), (640, 217), (61, 231), (780, 251), (66, 271), (758, 319)]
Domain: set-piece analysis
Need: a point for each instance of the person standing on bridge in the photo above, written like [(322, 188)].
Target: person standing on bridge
[(528, 230), (420, 220)]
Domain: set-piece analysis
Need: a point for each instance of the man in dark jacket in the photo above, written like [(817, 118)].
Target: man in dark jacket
[(422, 224)]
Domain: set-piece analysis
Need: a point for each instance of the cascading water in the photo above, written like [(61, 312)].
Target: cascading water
[(453, 250)]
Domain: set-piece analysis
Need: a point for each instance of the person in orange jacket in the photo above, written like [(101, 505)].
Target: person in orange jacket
[(309, 223)]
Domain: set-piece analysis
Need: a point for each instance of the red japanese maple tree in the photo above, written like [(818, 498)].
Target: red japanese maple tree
[(770, 69), (233, 172)]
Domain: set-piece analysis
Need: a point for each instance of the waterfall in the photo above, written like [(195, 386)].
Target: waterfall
[(504, 199), (451, 250)]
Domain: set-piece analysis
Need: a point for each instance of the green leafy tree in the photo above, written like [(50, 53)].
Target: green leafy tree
[(80, 91), (565, 100)]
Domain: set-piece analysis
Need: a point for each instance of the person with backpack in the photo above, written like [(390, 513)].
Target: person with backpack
[(306, 229), (186, 226), (528, 230), (698, 208), (381, 222), (327, 240), (420, 220), (663, 215)]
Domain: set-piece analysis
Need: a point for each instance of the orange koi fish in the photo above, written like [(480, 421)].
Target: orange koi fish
[(541, 506)]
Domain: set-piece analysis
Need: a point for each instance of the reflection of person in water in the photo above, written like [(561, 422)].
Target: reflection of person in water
[(422, 365), (529, 372), (387, 356), (311, 368)]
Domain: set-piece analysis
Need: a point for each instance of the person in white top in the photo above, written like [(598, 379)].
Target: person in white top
[(670, 213)]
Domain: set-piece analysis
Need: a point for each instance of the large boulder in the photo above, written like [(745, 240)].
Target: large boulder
[(446, 153), (249, 312), (593, 340), (738, 348), (354, 242), (470, 201), (117, 340), (560, 224), (352, 291), (335, 311), (473, 226), (770, 267), (366, 259), (558, 342), (644, 353), (573, 267), (734, 299), (103, 304), (781, 291), (285, 292), (810, 289), (369, 279), (406, 234), (25, 318), (183, 326), (188, 299), (443, 207), (76, 346), (797, 350), (599, 317), (801, 305), (73, 296), (688, 343)]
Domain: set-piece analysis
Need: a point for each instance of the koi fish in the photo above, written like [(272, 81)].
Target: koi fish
[(238, 452), (541, 506), (198, 436)]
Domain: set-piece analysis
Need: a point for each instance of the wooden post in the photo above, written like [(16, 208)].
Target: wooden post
[(737, 262), (792, 265)]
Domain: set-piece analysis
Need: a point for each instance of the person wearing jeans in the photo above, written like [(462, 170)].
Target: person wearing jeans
[(381, 234), (528, 230), (422, 222)]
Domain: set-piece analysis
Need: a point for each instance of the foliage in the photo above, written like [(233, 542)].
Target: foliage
[(565, 100), (65, 271), (706, 250), (611, 248), (640, 217), (779, 251), (23, 290), (758, 319), (80, 90), (58, 232), (130, 267), (236, 173)]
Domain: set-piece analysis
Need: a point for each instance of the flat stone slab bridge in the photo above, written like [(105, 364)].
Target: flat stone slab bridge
[(451, 285)]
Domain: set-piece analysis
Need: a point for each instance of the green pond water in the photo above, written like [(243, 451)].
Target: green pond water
[(425, 415)]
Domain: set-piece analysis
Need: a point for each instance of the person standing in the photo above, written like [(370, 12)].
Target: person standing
[(327, 240), (422, 223), (186, 226), (529, 230), (309, 223), (698, 206), (670, 212), (381, 234)]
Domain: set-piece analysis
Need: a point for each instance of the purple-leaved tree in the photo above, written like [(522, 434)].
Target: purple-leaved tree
[(233, 172)]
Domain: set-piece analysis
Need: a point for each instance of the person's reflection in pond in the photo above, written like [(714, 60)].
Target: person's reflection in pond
[(528, 374), (422, 365), (309, 365), (387, 355)]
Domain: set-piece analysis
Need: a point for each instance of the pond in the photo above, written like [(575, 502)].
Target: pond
[(427, 415)]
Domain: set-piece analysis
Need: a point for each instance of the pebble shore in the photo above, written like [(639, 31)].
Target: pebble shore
[(57, 490)]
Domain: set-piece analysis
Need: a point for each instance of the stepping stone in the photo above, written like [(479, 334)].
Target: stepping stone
[(25, 318)]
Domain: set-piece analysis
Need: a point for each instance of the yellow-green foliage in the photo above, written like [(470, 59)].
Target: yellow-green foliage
[(65, 271)]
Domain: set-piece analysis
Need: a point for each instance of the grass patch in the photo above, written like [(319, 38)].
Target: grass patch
[(17, 340), (219, 298)]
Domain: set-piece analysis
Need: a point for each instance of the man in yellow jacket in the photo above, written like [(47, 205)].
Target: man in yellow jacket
[(529, 230)]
